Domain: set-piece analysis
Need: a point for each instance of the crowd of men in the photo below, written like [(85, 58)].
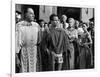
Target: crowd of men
[(54, 45)]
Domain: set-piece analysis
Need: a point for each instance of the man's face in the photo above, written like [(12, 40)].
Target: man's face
[(18, 17), (30, 14), (55, 21), (64, 18), (84, 27), (42, 24), (77, 23), (91, 24), (71, 22)]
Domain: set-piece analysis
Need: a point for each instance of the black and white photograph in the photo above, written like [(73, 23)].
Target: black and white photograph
[(50, 38), (53, 38)]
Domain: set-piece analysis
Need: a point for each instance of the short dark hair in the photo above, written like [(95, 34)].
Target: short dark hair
[(84, 23), (26, 9), (91, 19), (41, 20), (52, 16), (18, 12)]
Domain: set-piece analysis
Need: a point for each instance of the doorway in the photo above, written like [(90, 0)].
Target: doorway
[(69, 12)]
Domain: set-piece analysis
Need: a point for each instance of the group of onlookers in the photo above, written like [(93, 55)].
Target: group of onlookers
[(56, 45)]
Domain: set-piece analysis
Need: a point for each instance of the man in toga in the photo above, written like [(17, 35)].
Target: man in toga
[(27, 41), (55, 42)]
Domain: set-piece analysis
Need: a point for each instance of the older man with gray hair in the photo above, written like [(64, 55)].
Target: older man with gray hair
[(64, 24)]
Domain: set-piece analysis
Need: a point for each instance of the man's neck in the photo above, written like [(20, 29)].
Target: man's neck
[(28, 20), (52, 27)]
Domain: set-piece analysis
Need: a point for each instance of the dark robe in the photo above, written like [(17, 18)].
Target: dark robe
[(54, 40), (45, 56)]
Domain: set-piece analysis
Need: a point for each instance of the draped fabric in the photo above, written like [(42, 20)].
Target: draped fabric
[(85, 52), (56, 41), (72, 34), (27, 39)]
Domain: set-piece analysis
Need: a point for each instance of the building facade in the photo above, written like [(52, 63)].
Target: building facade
[(43, 12)]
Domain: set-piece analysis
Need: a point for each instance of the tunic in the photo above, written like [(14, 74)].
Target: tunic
[(27, 39), (56, 42)]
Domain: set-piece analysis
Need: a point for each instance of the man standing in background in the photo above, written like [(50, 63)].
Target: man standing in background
[(64, 24)]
